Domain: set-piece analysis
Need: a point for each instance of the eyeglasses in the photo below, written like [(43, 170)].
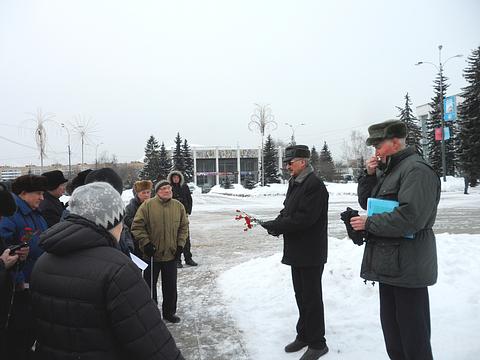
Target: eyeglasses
[(292, 161)]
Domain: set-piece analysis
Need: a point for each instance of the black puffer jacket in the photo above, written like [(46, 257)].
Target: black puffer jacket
[(90, 301), (51, 208), (303, 221)]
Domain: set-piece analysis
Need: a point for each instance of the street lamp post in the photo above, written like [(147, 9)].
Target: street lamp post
[(293, 130), (96, 154), (440, 70), (69, 152)]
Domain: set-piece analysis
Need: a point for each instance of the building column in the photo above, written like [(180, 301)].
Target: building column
[(259, 164), (217, 171), (195, 167), (239, 178), (280, 160)]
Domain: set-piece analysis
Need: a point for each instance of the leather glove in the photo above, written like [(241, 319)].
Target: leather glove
[(356, 236), (267, 225), (178, 253), (273, 233), (149, 249)]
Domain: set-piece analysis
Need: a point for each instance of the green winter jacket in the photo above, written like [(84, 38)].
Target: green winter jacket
[(391, 257), (163, 223)]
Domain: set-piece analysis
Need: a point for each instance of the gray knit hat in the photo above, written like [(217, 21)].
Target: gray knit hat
[(161, 183), (98, 202)]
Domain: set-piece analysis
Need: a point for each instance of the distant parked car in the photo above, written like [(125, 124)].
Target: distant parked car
[(206, 189)]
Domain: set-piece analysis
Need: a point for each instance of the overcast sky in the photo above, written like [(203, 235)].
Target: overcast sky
[(197, 67)]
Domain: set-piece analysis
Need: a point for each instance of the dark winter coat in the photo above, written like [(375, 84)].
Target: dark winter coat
[(12, 230), (303, 221), (390, 257), (5, 291), (90, 300), (130, 211), (181, 191), (51, 208)]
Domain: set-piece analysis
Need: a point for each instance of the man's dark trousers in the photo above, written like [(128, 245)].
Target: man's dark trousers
[(307, 283), (168, 269), (405, 317)]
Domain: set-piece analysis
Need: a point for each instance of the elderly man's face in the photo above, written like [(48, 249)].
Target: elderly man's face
[(59, 191), (165, 192), (295, 166), (33, 199), (386, 148)]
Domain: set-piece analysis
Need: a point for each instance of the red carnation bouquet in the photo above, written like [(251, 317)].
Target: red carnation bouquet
[(28, 234), (250, 221)]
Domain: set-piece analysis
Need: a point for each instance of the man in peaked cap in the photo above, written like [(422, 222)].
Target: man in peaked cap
[(51, 206), (303, 223), (400, 251)]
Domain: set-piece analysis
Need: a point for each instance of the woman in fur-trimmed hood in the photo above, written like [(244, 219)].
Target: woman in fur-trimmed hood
[(181, 192)]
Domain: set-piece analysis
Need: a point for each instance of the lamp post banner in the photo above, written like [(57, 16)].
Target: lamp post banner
[(450, 108), (438, 133)]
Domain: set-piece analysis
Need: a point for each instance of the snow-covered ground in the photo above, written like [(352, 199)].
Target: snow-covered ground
[(259, 294), (239, 278)]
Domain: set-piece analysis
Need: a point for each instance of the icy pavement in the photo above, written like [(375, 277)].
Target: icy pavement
[(207, 330)]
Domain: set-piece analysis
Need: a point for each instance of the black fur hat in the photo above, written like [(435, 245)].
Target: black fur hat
[(107, 175), (77, 181), (55, 179), (386, 130), (7, 202), (296, 151), (29, 183)]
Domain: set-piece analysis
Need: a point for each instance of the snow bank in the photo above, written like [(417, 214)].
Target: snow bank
[(452, 185), (261, 299)]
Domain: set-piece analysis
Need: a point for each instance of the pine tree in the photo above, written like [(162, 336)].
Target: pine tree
[(327, 167), (188, 161), (469, 121), (270, 160), (165, 163), (414, 137), (435, 147), (178, 159), (315, 162), (151, 169)]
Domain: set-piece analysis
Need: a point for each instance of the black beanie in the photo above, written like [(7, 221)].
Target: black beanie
[(107, 175)]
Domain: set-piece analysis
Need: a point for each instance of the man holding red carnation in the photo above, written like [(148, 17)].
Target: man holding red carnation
[(303, 223)]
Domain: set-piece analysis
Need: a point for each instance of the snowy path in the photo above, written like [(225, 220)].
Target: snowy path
[(207, 330)]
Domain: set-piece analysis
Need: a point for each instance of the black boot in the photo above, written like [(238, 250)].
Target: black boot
[(179, 264), (190, 262), (314, 354), (171, 318), (295, 345)]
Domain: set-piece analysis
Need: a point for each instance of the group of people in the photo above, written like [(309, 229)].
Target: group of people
[(69, 291), (67, 288), (400, 252)]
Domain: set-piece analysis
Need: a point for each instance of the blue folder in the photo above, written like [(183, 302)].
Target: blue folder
[(380, 206)]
